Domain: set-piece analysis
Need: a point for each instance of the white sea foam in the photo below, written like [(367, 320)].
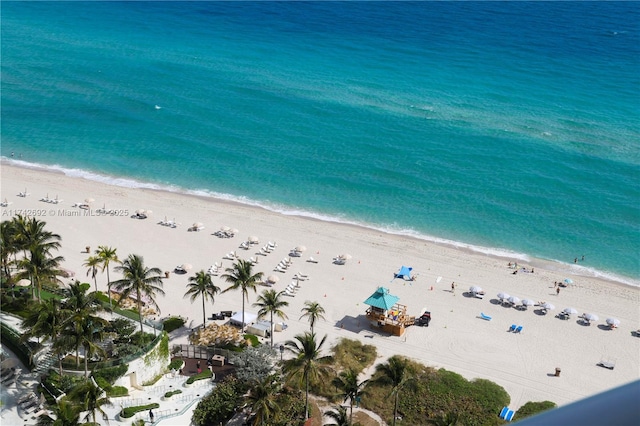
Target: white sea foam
[(575, 270)]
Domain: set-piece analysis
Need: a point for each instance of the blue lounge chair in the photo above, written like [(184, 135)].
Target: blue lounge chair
[(509, 415), (512, 328), (485, 317), (504, 412), (519, 329)]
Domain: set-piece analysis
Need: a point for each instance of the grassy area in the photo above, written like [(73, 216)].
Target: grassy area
[(131, 411), (206, 374)]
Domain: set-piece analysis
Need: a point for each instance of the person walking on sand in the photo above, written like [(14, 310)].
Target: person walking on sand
[(557, 291), (453, 287)]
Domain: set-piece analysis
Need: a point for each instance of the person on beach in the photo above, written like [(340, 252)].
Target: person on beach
[(453, 287), (151, 416), (557, 291)]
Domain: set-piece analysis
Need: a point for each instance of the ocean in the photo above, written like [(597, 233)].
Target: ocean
[(510, 128)]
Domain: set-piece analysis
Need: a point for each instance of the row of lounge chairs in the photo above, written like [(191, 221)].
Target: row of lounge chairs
[(515, 329), (51, 200), (283, 265), (507, 414), (292, 289), (224, 233), (267, 248), (169, 223)]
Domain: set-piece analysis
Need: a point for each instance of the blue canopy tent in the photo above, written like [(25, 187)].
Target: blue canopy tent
[(405, 273)]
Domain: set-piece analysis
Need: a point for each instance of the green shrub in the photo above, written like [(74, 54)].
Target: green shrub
[(171, 393), (131, 411), (531, 408), (253, 339), (206, 374), (111, 374), (220, 404), (103, 383), (117, 391), (173, 323), (176, 364)]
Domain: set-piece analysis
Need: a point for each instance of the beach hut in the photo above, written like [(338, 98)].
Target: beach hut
[(385, 312)]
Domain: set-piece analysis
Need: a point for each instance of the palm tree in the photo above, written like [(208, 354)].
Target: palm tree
[(92, 397), (262, 399), (313, 311), (348, 382), (201, 285), (395, 372), (140, 280), (40, 267), (79, 301), (449, 418), (32, 235), (307, 364), (92, 263), (241, 276), (8, 244), (339, 416), (271, 303), (66, 413), (107, 255), (86, 331)]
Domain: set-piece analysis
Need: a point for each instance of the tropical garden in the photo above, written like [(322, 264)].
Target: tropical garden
[(303, 383)]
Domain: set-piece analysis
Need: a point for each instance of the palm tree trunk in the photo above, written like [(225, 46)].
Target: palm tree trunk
[(351, 410), (306, 397), (242, 326), (86, 370), (204, 315), (395, 409), (109, 287), (140, 312), (271, 330)]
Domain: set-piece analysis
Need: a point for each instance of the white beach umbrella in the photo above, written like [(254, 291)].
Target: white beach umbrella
[(475, 289), (273, 279), (225, 229), (590, 317), (253, 239), (300, 248), (89, 200), (23, 283), (613, 321), (139, 211), (528, 302), (503, 295), (548, 306), (514, 300), (186, 266), (197, 224), (570, 311)]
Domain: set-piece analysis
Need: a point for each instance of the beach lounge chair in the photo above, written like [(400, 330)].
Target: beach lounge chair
[(503, 412), (509, 415), (485, 317), (244, 245), (512, 328), (311, 260), (519, 329)]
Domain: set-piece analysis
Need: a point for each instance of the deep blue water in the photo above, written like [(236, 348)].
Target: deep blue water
[(507, 126)]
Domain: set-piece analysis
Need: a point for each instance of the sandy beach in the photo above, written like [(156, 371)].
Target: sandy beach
[(457, 339)]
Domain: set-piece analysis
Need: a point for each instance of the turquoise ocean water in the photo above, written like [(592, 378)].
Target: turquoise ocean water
[(511, 127)]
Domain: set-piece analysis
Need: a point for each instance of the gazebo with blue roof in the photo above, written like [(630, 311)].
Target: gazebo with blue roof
[(385, 312)]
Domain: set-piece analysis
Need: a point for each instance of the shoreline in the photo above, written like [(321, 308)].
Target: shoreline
[(491, 252), (456, 339)]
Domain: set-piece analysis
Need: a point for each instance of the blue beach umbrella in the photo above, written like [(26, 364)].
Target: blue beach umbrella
[(568, 280)]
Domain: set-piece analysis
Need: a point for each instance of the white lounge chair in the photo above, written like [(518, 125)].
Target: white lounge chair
[(311, 260), (244, 245)]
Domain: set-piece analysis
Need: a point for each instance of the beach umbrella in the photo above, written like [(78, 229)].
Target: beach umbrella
[(475, 289), (503, 296), (613, 321), (225, 229), (345, 256), (547, 306), (514, 300), (197, 224), (186, 266), (139, 211), (253, 239), (148, 212), (301, 248), (590, 317), (438, 280), (23, 283), (570, 311), (272, 279), (528, 302), (89, 200), (568, 280)]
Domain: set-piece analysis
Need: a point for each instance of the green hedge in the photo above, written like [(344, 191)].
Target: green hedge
[(176, 365), (173, 323), (206, 374), (171, 393), (131, 411)]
